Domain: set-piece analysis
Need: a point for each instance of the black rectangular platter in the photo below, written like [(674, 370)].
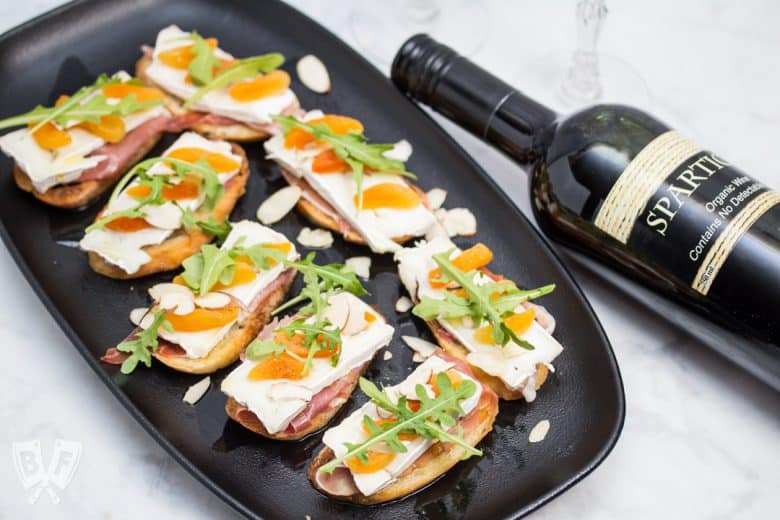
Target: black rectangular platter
[(66, 48)]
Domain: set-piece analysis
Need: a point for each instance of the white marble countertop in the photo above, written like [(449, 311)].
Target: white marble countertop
[(700, 437)]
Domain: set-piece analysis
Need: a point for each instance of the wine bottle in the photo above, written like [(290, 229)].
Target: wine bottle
[(617, 184)]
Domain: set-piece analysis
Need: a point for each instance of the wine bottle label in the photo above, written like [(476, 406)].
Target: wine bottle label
[(683, 208)]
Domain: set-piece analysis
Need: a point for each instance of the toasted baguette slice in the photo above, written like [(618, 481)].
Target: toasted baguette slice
[(240, 133), (80, 194), (228, 350), (456, 349), (432, 464), (252, 423), (183, 243)]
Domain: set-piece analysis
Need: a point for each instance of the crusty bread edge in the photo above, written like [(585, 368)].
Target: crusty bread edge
[(237, 132), (455, 348), (228, 350), (169, 254), (436, 461), (80, 194)]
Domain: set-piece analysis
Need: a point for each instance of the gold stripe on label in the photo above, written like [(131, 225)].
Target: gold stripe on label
[(640, 180), (724, 244)]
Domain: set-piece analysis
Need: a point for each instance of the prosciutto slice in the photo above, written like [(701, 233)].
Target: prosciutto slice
[(119, 155)]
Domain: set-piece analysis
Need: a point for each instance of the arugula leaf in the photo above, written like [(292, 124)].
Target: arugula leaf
[(432, 420), (322, 278), (143, 345), (261, 255), (201, 68), (510, 300), (210, 265), (480, 301), (240, 70), (219, 230), (451, 306), (79, 108), (351, 146), (320, 335), (211, 188), (259, 349)]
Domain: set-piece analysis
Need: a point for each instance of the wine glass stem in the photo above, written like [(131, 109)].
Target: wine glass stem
[(582, 84)]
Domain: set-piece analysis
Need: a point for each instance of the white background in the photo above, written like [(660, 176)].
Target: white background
[(701, 437)]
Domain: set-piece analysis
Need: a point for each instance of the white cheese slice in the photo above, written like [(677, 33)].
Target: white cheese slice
[(514, 365), (253, 234), (47, 168), (351, 429), (378, 227), (125, 249), (217, 101), (276, 413)]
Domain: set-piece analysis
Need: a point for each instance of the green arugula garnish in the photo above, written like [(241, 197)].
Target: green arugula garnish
[(210, 265), (433, 420), (218, 230), (78, 108), (201, 68), (143, 345), (491, 301), (246, 68), (211, 187), (321, 279), (353, 148), (318, 335)]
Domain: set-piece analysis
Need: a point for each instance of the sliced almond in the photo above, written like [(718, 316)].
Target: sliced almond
[(356, 323), (436, 230), (315, 238), (401, 151), (436, 197), (313, 114), (337, 312), (136, 315), (459, 221), (425, 348), (313, 74), (195, 392), (275, 207), (173, 297), (212, 300), (387, 355), (164, 216), (539, 432), (403, 304), (360, 265)]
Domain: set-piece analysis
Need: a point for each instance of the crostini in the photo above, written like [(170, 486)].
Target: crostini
[(301, 370), (164, 209), (204, 318), (349, 186), (68, 154), (407, 435), (481, 318), (220, 96)]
